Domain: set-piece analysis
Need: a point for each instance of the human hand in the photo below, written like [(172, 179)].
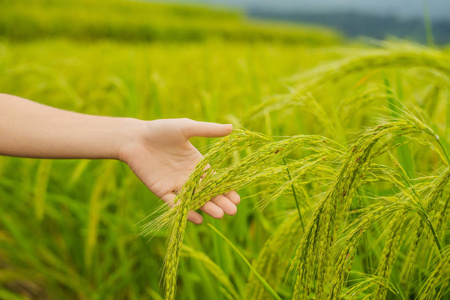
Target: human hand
[(162, 157)]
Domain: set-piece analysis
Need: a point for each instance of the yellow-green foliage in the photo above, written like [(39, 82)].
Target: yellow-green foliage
[(340, 154), (320, 265), (135, 21)]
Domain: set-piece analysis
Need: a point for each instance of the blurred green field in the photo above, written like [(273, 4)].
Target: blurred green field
[(69, 229), (134, 21)]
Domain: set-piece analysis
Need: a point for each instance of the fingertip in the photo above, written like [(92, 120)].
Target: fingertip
[(218, 214), (232, 210), (223, 129), (213, 210), (206, 129), (234, 197), (229, 128), (195, 218), (198, 222), (225, 204)]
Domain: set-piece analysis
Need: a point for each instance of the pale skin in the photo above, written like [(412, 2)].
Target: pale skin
[(157, 151)]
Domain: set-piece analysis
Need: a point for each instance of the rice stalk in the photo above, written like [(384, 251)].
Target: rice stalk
[(389, 252), (227, 288), (258, 166), (177, 230), (274, 258), (345, 248), (40, 189), (321, 264), (260, 278), (329, 213), (95, 208), (332, 73), (358, 290), (438, 279)]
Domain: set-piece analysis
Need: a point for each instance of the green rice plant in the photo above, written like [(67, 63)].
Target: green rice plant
[(91, 222), (357, 291), (437, 281), (331, 74), (134, 21), (225, 179), (261, 279), (332, 207), (274, 258), (389, 253), (329, 214), (95, 208), (419, 225), (227, 288), (346, 246), (177, 231), (313, 259), (40, 189), (324, 251)]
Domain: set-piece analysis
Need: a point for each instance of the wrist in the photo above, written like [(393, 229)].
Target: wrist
[(133, 134)]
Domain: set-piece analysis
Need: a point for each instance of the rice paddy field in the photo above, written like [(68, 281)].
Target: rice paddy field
[(340, 154)]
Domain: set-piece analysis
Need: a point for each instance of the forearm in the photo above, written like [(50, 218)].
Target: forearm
[(29, 129)]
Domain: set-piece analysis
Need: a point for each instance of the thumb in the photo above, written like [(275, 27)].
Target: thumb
[(206, 129)]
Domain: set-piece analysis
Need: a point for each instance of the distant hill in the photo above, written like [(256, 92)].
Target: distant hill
[(355, 24), (376, 19), (405, 9)]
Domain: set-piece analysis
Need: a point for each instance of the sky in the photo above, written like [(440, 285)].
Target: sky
[(439, 9)]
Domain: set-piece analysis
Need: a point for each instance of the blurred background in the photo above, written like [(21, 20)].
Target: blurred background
[(69, 229), (375, 19)]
